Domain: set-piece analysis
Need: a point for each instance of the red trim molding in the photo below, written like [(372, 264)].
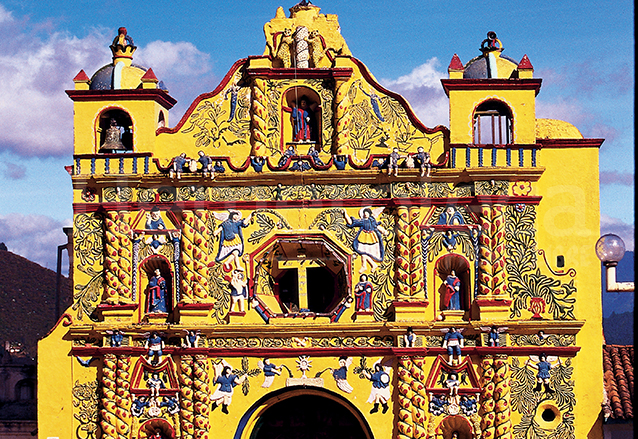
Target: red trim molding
[(519, 351), (570, 143), (491, 84), (157, 95)]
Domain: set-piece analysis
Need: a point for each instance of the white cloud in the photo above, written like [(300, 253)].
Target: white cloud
[(422, 89), (5, 15), (616, 226), (35, 237), (36, 116), (173, 59), (425, 75)]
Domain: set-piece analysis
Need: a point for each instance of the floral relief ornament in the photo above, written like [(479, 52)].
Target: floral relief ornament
[(522, 188)]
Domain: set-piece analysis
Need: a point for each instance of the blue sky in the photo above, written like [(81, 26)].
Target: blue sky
[(583, 52)]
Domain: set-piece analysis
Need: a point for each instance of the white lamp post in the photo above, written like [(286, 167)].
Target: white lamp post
[(610, 249)]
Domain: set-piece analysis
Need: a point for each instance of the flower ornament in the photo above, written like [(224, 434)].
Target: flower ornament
[(522, 188)]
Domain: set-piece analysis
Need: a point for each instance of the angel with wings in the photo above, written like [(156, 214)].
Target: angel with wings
[(453, 342), (543, 364), (369, 239), (231, 241), (493, 339), (341, 375), (270, 370)]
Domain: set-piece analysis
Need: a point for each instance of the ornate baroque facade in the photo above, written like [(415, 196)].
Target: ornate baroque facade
[(299, 254)]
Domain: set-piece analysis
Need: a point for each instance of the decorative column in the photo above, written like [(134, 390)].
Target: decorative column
[(201, 397), (492, 300), (117, 258), (301, 47), (412, 399), (486, 411), (195, 238), (503, 423), (410, 300), (259, 126), (342, 118), (116, 401), (186, 413)]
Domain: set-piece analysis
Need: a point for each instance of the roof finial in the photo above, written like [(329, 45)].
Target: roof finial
[(122, 46), (491, 43)]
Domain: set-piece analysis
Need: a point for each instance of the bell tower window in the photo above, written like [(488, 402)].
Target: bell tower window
[(493, 124), (115, 132)]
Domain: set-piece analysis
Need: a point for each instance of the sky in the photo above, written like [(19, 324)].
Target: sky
[(583, 52)]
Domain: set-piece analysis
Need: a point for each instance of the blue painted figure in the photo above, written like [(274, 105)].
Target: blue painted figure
[(263, 313), (543, 364), (287, 155), (300, 165), (156, 298), (393, 162), (179, 163), (368, 242), (449, 239), (437, 405), (450, 217), (137, 408), (380, 392), (363, 294), (423, 161), (493, 334), (116, 338), (341, 374), (270, 371), (453, 342), (154, 220), (231, 241), (302, 118), (314, 156), (171, 404), (219, 168), (192, 339), (226, 380), (154, 345), (257, 163), (207, 164), (409, 338), (238, 289), (451, 296), (340, 161)]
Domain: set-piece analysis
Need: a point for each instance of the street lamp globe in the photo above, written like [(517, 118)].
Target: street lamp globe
[(610, 248)]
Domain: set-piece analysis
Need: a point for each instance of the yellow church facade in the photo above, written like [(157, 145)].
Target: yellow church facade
[(299, 256)]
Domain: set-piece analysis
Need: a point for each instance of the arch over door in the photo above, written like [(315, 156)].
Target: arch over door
[(303, 413)]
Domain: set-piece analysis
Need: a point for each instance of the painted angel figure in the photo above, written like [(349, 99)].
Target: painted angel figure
[(231, 241), (116, 338), (270, 370), (380, 391), (453, 342), (369, 240), (226, 379), (493, 334), (543, 364), (341, 374)]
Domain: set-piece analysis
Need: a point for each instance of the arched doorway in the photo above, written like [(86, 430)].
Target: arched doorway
[(304, 414)]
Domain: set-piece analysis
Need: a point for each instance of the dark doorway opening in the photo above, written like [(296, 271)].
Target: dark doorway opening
[(308, 417)]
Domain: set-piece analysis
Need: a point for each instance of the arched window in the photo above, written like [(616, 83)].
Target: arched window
[(115, 132), (493, 124)]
